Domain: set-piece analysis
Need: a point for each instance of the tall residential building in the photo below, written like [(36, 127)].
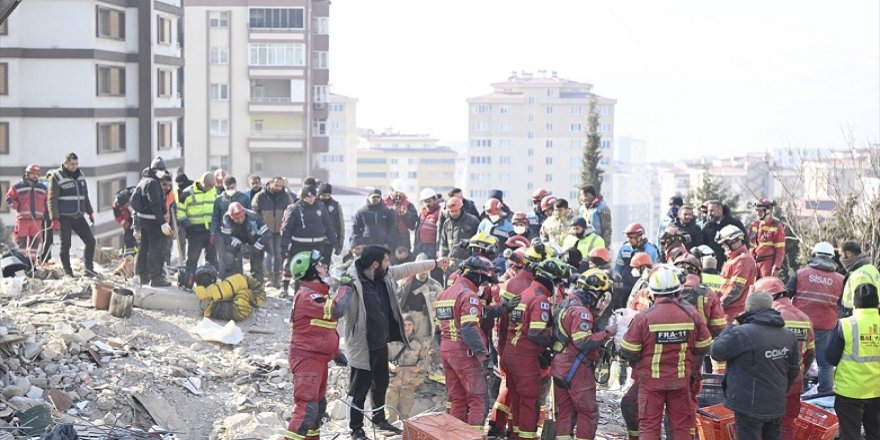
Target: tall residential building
[(342, 130), (94, 77), (256, 86), (407, 162), (529, 133)]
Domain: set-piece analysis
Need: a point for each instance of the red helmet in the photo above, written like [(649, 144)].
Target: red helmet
[(547, 202), (517, 258), (634, 228), (602, 254), (454, 204), (539, 195), (33, 168), (771, 285), (641, 259), (516, 242), (689, 263), (520, 218), (764, 203), (236, 211), (492, 207)]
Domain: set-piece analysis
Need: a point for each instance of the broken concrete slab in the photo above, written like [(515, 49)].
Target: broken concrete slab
[(169, 298)]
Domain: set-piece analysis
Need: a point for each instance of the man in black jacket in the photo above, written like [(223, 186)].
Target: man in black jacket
[(763, 362), (685, 223), (469, 206), (148, 202), (325, 193), (374, 223), (459, 226), (68, 204), (719, 217), (307, 225)]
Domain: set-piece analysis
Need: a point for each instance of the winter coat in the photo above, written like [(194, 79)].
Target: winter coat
[(195, 208), (251, 232), (555, 229), (374, 224), (28, 199), (337, 219), (598, 214), (711, 228), (763, 362), (221, 205), (154, 197), (271, 208), (68, 194), (453, 232), (307, 224), (693, 236)]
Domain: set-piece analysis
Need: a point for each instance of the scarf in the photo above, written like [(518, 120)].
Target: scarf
[(851, 263)]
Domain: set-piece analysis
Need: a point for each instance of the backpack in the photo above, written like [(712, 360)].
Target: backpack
[(123, 196)]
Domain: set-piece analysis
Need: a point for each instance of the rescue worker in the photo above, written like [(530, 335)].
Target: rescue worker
[(495, 221), (640, 297), (675, 204), (739, 271), (859, 270), (313, 341), (458, 226), (325, 194), (763, 363), (537, 215), (688, 226), (407, 367), (227, 193), (635, 242), (665, 342), (374, 223), (150, 204), (521, 226), (463, 347), (271, 203), (418, 294), (577, 343), (28, 199), (595, 210), (697, 294), (556, 228), (582, 237), (767, 240), (242, 229), (68, 204), (672, 244), (855, 349), (799, 324), (528, 337), (467, 204), (816, 291), (306, 225), (427, 224), (194, 211), (710, 275)]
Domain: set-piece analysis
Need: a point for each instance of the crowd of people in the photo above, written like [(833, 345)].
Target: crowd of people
[(512, 306)]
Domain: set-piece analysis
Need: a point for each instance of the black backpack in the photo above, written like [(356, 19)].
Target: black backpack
[(123, 196)]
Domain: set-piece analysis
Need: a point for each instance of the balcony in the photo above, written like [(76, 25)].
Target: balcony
[(277, 134), (276, 140), (319, 144), (320, 110)]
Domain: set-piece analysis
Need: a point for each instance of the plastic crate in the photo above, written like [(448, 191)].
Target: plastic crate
[(710, 390), (814, 423), (439, 427), (716, 423)]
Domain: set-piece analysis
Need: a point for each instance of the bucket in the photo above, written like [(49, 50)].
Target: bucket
[(101, 293), (121, 303)]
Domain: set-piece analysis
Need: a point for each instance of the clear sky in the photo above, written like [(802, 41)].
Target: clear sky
[(691, 77)]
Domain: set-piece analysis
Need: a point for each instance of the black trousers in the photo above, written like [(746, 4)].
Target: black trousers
[(80, 226), (374, 381), (197, 240), (852, 414), (750, 428), (150, 260)]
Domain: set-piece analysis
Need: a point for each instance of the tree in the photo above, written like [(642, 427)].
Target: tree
[(712, 189), (591, 173)]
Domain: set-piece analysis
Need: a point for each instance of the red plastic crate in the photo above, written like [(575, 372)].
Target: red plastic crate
[(716, 423), (814, 423), (439, 427)]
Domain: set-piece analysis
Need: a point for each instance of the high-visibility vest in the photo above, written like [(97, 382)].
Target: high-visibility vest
[(712, 281), (866, 274), (858, 374)]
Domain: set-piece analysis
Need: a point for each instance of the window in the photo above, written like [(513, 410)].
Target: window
[(277, 18), (4, 187), (551, 92), (337, 108), (219, 92), (164, 135), (531, 152), (531, 169), (505, 126), (111, 137), (531, 135), (504, 109), (219, 55), (111, 23), (574, 161), (164, 88), (548, 143), (481, 126), (319, 127), (369, 175), (504, 160), (531, 100), (577, 110), (574, 179), (336, 126), (163, 30), (531, 118), (530, 186), (4, 28), (219, 127), (605, 143), (576, 127), (482, 108), (549, 109), (504, 177), (548, 126), (548, 178), (548, 160), (277, 54), (436, 161), (219, 161), (107, 190), (321, 25), (320, 94), (481, 142), (411, 175), (111, 80), (4, 139), (372, 160), (574, 143), (218, 19), (505, 144), (4, 78), (320, 59)]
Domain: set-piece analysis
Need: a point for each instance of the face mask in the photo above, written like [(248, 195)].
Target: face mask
[(494, 218), (161, 173), (520, 230), (230, 192), (635, 272)]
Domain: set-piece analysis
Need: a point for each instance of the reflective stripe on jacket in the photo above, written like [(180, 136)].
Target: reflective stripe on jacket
[(28, 199), (196, 206), (68, 194), (858, 374)]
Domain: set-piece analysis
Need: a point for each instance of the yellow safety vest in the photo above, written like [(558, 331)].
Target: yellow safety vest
[(858, 374), (866, 274), (712, 281), (197, 206)]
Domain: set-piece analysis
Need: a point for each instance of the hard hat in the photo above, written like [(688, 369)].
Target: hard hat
[(641, 259), (483, 240), (520, 218), (158, 164), (553, 269), (516, 242), (764, 203), (236, 211), (454, 204), (492, 207), (689, 263), (706, 250), (671, 233), (302, 262), (823, 248), (634, 228), (548, 202), (602, 254), (594, 280), (427, 193), (539, 194), (33, 168), (205, 275), (664, 280), (771, 285), (517, 258), (729, 233), (480, 265)]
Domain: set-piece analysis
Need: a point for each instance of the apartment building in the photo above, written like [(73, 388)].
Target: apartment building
[(407, 162), (256, 86), (97, 77), (340, 158), (529, 133)]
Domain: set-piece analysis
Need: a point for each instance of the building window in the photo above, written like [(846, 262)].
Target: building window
[(111, 137), (531, 135), (163, 30), (337, 108), (111, 23), (548, 178), (164, 86), (530, 169), (321, 25), (219, 92), (4, 78), (548, 143), (531, 100), (219, 55), (531, 152), (576, 127), (481, 142), (321, 94), (277, 18), (111, 81), (504, 160), (605, 143), (164, 135), (4, 28), (577, 110), (336, 125), (504, 109), (4, 188), (219, 161), (549, 109), (320, 59), (548, 160), (371, 175), (506, 126), (531, 118), (481, 126), (549, 126), (319, 127), (107, 190), (481, 108), (277, 54), (218, 19), (219, 127), (574, 143), (4, 139), (411, 175), (551, 92)]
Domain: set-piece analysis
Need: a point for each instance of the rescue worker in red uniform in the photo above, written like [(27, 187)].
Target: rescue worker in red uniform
[(577, 348), (672, 244), (665, 341), (701, 297), (640, 298), (313, 341), (738, 273), (799, 323), (463, 346), (767, 240), (28, 199)]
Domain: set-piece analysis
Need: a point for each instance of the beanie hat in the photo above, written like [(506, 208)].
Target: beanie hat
[(580, 222), (325, 188), (758, 301), (308, 191)]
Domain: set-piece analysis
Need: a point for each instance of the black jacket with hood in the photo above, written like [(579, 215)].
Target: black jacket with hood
[(374, 224), (153, 195)]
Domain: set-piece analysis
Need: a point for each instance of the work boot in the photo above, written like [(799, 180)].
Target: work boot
[(162, 282), (385, 425), (359, 434)]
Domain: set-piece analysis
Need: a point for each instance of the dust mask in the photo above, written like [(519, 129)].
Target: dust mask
[(494, 218), (635, 273), (161, 173), (230, 192), (520, 230)]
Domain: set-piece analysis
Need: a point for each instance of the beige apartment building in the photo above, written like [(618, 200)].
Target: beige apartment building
[(256, 83), (529, 133), (408, 162)]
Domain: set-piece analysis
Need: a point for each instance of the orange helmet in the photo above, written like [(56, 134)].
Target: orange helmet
[(602, 254), (520, 218), (634, 228), (454, 204), (236, 211), (539, 195), (548, 202), (516, 242), (492, 207), (641, 259), (771, 285)]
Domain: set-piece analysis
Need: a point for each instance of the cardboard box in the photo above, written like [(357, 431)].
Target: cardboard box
[(439, 427)]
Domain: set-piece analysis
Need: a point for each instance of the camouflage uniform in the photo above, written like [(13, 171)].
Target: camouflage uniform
[(411, 371), (555, 229)]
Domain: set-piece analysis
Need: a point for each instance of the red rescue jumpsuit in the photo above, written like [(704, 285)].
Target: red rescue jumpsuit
[(28, 199), (767, 242), (739, 270), (313, 343), (574, 322), (664, 341), (799, 323), (466, 388), (528, 335)]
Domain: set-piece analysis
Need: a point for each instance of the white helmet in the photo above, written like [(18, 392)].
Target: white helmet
[(664, 280), (729, 233), (706, 250), (823, 248), (427, 193)]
